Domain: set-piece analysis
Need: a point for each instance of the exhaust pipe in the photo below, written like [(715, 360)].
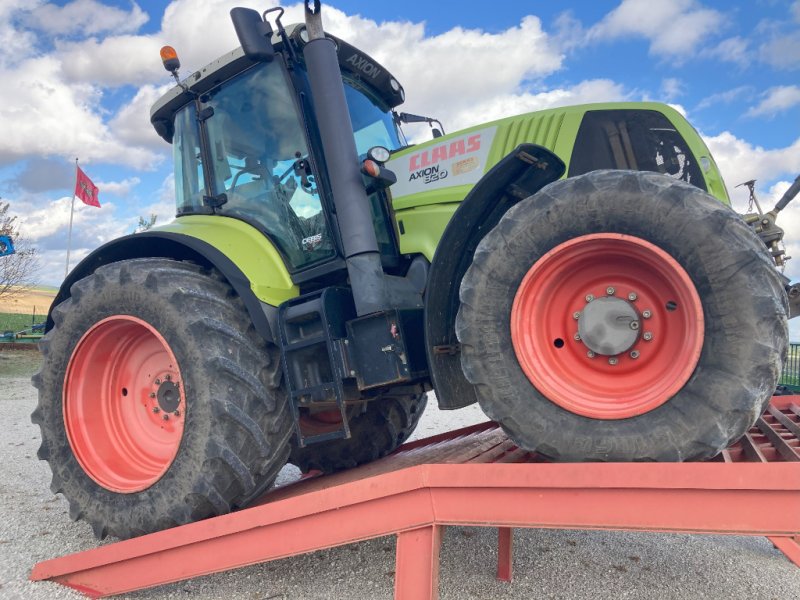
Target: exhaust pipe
[(344, 173)]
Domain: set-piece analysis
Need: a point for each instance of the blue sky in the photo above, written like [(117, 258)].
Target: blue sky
[(78, 79)]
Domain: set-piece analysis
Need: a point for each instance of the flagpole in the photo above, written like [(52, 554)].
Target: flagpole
[(71, 212)]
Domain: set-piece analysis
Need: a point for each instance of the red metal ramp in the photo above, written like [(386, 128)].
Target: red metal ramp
[(473, 476)]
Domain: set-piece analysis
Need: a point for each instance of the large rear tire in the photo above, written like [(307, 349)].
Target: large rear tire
[(158, 403), (382, 425), (622, 316)]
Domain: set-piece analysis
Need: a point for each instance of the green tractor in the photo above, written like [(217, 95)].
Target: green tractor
[(576, 271)]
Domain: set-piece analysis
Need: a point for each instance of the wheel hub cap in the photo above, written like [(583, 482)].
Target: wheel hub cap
[(609, 326), (169, 397)]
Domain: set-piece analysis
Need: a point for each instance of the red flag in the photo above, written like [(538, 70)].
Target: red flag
[(86, 190)]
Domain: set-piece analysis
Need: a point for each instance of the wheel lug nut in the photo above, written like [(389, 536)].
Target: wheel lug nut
[(589, 297), (647, 336), (634, 325), (647, 314), (612, 361), (590, 354), (152, 394), (156, 409), (634, 354), (632, 296), (576, 315), (177, 413), (610, 291), (577, 337), (168, 377), (166, 417), (157, 381)]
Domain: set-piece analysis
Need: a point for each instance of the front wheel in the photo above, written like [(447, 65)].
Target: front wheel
[(156, 399), (622, 316)]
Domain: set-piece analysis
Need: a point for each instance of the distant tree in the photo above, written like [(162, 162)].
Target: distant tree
[(16, 270), (145, 224)]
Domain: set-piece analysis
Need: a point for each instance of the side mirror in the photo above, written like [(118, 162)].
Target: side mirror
[(254, 34)]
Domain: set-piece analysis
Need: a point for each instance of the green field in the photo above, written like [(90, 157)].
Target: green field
[(16, 322)]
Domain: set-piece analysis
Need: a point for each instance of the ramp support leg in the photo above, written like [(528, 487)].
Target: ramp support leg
[(790, 546), (416, 574), (505, 553)]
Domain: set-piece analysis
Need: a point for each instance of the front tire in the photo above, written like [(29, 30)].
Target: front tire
[(549, 304), (157, 404)]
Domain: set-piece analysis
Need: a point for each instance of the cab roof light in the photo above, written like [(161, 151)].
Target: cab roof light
[(171, 61)]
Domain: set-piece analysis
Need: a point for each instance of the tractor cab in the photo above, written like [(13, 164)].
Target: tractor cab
[(244, 136)]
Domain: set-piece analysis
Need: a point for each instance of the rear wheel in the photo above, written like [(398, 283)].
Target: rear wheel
[(378, 429), (157, 402), (622, 316)]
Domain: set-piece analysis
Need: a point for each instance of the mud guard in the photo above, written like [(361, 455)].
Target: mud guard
[(151, 244), (520, 174)]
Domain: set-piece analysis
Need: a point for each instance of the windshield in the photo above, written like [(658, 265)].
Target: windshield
[(372, 126), (259, 161)]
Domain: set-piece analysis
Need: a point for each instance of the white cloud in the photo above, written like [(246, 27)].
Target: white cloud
[(725, 97), (46, 225), (782, 51), (671, 88), (776, 100), (740, 161), (455, 70), (17, 45), (734, 50), (117, 188), (568, 31), (458, 66), (113, 61), (131, 124), (674, 29), (41, 114), (199, 31), (85, 17), (500, 106)]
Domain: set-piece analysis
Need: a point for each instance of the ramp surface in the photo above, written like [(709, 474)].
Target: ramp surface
[(473, 476)]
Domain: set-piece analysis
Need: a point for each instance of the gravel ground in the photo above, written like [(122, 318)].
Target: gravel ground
[(548, 564)]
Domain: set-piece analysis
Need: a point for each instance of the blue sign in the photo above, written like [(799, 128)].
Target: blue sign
[(6, 245)]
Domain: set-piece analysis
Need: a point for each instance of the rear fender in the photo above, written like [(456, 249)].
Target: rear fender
[(520, 174), (244, 257)]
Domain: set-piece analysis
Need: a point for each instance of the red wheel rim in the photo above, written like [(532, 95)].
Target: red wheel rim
[(320, 422), (124, 406), (630, 274)]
